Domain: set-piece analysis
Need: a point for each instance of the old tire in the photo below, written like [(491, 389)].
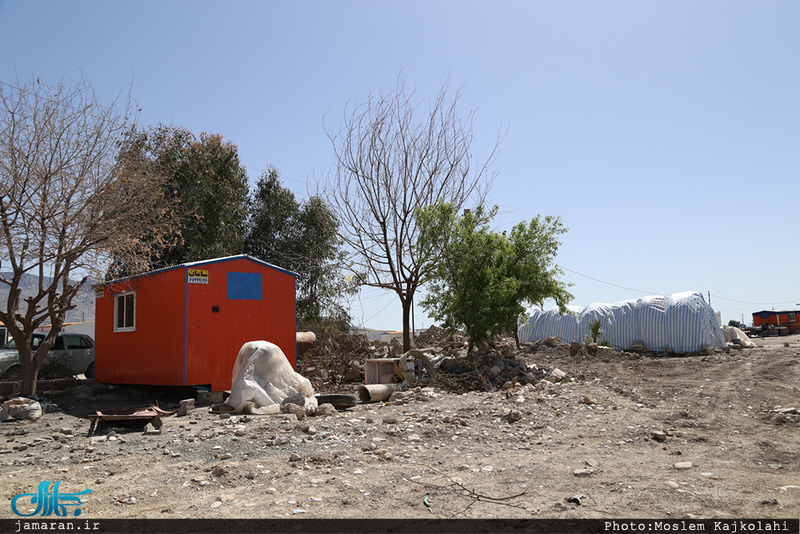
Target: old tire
[(89, 371), (340, 402)]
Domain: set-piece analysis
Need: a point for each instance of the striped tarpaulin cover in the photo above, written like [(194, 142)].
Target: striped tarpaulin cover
[(678, 323)]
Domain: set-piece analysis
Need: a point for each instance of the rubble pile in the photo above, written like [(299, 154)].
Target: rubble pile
[(338, 359), (435, 336), (491, 368), (336, 362)]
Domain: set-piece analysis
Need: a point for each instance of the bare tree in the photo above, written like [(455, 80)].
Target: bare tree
[(391, 159), (72, 198)]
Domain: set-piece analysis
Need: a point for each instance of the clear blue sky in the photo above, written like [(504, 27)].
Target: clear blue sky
[(665, 134)]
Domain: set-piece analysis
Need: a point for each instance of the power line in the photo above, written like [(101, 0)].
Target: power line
[(365, 321), (757, 303), (609, 283), (651, 293), (281, 176)]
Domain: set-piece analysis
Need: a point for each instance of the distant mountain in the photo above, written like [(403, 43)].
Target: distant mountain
[(83, 301)]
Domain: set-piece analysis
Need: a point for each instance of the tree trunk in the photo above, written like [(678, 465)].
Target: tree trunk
[(28, 380), (406, 325), (29, 370)]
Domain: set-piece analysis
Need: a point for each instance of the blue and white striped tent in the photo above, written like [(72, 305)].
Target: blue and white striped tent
[(679, 323)]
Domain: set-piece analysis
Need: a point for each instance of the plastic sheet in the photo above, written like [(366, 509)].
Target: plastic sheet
[(732, 333), (263, 377), (679, 323)]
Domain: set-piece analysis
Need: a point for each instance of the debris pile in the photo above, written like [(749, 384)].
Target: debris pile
[(485, 371), (435, 336), (336, 360)]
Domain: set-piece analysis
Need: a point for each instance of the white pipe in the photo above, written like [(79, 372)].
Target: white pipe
[(378, 392)]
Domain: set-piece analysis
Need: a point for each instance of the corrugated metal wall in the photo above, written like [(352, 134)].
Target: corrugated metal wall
[(153, 352), (188, 331)]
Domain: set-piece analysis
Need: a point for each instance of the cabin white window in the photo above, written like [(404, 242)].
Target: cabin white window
[(125, 312), (792, 317)]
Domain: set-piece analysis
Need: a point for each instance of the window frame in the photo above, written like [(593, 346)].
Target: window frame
[(128, 326), (792, 317)]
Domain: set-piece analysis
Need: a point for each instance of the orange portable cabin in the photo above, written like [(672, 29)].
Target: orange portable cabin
[(184, 325), (787, 318)]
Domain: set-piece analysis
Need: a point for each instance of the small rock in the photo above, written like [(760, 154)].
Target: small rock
[(558, 373), (683, 465), (552, 341), (576, 499), (591, 462), (151, 430), (659, 435), (294, 457), (219, 471), (398, 396), (583, 472), (298, 398), (672, 484), (294, 409), (514, 416), (187, 407), (325, 410), (589, 400)]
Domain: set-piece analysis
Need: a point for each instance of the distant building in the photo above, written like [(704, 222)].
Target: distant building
[(382, 335), (787, 318), (84, 327)]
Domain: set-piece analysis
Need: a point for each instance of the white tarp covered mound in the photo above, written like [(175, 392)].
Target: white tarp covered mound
[(679, 323), (732, 333), (263, 377)]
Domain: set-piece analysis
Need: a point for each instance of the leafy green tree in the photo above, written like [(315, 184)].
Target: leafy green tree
[(206, 178), (482, 280), (394, 155), (300, 237)]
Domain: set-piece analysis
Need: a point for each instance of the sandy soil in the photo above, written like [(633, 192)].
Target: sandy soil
[(637, 437)]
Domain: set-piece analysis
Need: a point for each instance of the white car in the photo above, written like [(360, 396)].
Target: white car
[(72, 354)]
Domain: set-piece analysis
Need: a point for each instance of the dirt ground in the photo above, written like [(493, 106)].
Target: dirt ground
[(623, 436)]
